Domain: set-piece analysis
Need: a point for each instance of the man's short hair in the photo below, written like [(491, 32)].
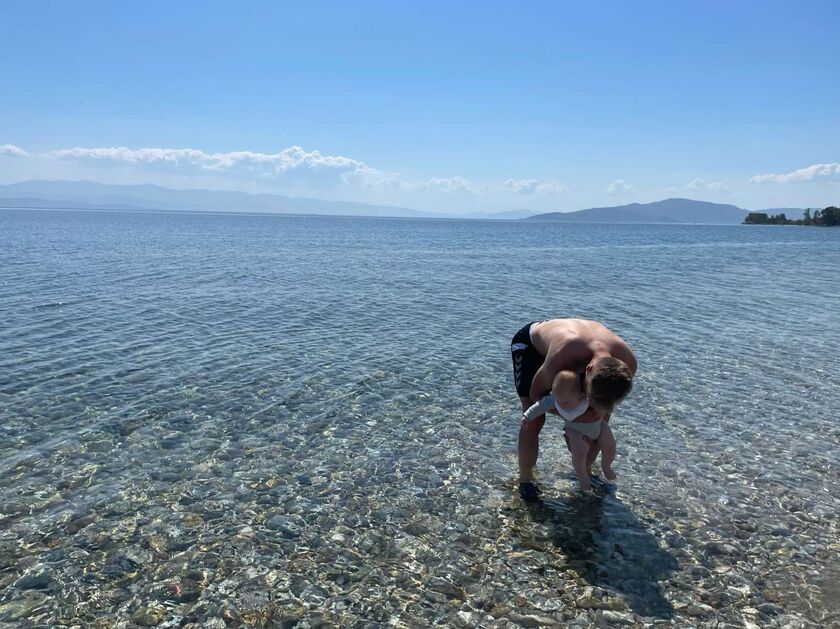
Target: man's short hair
[(610, 382)]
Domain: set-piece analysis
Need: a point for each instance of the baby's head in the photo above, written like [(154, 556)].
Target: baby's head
[(566, 389)]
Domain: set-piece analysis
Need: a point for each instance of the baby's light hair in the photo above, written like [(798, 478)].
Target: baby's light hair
[(565, 383), (564, 376)]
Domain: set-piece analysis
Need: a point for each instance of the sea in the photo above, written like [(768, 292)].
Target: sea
[(219, 420)]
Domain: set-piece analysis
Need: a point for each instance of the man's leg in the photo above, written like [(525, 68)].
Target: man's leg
[(529, 449), (526, 362), (529, 443), (580, 449)]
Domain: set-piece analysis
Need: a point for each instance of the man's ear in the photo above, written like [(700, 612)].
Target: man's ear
[(589, 368)]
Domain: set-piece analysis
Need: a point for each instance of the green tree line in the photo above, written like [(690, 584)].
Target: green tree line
[(829, 217)]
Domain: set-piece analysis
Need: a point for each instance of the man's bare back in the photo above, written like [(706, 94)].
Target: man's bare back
[(572, 344)]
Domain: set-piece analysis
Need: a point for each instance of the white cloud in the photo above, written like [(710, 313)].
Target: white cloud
[(709, 186), (460, 184), (521, 186), (11, 149), (291, 158), (619, 187), (292, 163), (532, 186), (293, 167), (809, 173), (449, 184)]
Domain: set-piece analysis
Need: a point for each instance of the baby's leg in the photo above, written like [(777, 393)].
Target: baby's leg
[(607, 442), (594, 451), (579, 448)]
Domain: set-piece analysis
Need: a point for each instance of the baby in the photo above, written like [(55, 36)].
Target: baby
[(583, 426)]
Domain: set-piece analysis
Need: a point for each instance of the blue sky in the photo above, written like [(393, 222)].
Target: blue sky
[(480, 106)]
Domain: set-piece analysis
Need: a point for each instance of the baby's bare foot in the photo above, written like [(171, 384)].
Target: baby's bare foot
[(609, 475)]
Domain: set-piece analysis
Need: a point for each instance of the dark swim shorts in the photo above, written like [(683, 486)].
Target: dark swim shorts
[(526, 360)]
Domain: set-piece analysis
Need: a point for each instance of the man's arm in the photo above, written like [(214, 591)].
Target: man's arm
[(573, 355), (631, 362), (541, 384), (625, 355)]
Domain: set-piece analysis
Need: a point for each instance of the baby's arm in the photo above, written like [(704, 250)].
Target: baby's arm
[(539, 408)]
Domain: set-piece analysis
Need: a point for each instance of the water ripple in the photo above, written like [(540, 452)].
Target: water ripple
[(259, 421)]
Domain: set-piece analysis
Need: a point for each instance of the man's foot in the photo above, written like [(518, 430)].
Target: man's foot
[(529, 491)]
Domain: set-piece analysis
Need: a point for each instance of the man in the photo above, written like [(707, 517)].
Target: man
[(540, 350)]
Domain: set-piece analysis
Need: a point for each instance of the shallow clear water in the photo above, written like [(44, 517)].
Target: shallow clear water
[(213, 420)]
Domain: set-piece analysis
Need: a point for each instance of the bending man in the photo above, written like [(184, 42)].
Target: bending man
[(540, 350)]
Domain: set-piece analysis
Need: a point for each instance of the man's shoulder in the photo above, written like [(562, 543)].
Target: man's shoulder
[(556, 331), (625, 354)]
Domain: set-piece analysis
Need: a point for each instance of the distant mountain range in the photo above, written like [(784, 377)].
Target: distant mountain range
[(96, 196), (667, 211), (89, 195)]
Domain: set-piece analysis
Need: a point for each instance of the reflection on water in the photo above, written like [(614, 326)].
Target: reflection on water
[(211, 421)]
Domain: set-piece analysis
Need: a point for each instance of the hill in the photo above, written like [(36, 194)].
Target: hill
[(89, 195), (666, 211)]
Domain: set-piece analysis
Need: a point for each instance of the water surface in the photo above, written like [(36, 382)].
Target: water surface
[(227, 420)]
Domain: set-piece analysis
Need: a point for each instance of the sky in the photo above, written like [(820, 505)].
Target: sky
[(442, 106)]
